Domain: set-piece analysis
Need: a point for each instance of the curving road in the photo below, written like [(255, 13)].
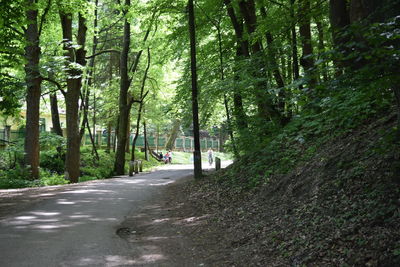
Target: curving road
[(76, 225)]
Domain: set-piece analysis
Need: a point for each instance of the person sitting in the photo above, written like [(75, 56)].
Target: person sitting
[(166, 158)]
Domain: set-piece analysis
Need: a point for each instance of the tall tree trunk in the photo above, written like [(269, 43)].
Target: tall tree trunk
[(195, 107), (109, 129), (141, 104), (124, 108), (135, 137), (242, 50), (146, 145), (90, 78), (33, 81), (74, 84), (55, 116), (128, 134), (307, 60)]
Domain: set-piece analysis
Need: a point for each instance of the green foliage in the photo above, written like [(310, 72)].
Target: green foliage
[(90, 167), (52, 154), (48, 178)]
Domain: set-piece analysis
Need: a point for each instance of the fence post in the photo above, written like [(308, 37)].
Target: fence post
[(217, 163), (140, 166), (136, 166), (131, 167)]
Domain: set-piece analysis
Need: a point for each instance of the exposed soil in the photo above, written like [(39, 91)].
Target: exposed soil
[(340, 209)]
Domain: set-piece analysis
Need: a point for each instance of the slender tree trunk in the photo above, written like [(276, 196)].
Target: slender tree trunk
[(55, 116), (33, 81), (124, 108), (114, 142), (136, 135), (226, 103), (141, 103), (146, 147), (128, 134), (92, 137), (109, 129), (94, 119), (195, 108)]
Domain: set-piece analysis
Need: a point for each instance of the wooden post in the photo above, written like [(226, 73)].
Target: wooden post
[(136, 166), (140, 166), (217, 163), (131, 167)]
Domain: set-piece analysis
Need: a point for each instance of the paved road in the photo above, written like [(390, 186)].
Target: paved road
[(76, 225)]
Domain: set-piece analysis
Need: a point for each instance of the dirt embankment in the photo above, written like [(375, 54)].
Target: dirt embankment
[(340, 209)]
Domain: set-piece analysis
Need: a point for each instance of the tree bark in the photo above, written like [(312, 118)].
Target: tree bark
[(124, 108), (109, 129), (141, 103), (339, 19), (242, 50), (146, 146), (33, 81), (128, 134), (74, 84), (55, 116), (195, 107), (295, 56), (306, 60)]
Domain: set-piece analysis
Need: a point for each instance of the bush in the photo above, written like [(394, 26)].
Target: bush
[(101, 169), (47, 178)]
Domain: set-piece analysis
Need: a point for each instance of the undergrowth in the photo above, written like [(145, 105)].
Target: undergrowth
[(281, 151)]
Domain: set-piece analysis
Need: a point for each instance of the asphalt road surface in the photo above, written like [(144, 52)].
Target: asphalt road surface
[(77, 225)]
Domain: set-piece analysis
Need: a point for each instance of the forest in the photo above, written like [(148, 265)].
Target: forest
[(304, 94)]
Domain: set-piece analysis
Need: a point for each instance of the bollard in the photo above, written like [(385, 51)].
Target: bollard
[(140, 166), (136, 166), (217, 163), (131, 167)]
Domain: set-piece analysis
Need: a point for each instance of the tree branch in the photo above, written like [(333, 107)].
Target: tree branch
[(59, 87), (43, 17)]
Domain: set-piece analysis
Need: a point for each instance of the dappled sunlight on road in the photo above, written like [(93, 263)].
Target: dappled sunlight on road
[(79, 223)]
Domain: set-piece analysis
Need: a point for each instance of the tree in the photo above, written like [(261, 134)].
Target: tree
[(33, 81), (195, 109), (75, 62)]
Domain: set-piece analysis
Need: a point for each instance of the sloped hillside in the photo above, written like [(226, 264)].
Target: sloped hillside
[(341, 207)]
